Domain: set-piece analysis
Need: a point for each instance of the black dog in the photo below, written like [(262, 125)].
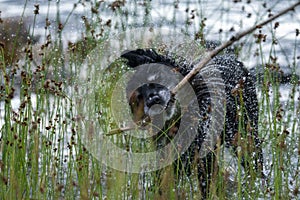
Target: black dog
[(240, 130)]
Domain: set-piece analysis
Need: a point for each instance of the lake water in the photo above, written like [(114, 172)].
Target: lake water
[(220, 15)]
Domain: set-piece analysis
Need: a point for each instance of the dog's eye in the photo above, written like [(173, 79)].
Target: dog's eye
[(152, 86), (139, 97)]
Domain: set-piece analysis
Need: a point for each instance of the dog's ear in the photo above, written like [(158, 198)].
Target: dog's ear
[(143, 56), (140, 56)]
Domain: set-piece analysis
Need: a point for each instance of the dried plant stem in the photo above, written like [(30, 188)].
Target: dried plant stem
[(233, 39), (120, 130)]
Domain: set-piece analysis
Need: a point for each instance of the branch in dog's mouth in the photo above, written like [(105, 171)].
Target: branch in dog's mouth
[(144, 122), (120, 130)]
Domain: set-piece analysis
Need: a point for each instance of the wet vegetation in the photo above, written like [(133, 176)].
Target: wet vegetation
[(42, 153)]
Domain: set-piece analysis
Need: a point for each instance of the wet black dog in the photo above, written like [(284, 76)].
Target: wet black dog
[(239, 130)]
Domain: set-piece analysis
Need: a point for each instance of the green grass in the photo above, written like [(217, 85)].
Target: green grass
[(43, 155)]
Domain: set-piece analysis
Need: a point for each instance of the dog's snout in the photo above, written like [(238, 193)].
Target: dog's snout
[(153, 99)]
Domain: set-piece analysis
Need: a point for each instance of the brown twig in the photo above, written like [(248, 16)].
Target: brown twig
[(120, 130), (233, 39)]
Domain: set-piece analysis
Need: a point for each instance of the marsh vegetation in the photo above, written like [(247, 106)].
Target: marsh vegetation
[(44, 49)]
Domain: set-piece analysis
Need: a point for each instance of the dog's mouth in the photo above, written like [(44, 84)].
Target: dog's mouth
[(154, 110)]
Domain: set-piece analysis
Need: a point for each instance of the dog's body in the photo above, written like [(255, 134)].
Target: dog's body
[(233, 74)]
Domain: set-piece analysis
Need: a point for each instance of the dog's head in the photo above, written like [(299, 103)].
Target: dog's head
[(151, 100), (148, 90)]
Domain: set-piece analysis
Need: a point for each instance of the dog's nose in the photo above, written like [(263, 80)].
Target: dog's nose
[(153, 99)]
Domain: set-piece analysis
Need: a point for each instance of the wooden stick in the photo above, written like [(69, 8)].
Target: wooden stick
[(120, 130), (233, 39)]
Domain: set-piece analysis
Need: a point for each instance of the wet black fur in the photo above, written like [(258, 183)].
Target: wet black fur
[(233, 72)]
